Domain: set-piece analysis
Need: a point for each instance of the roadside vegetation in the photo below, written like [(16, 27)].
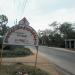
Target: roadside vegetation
[(16, 51), (56, 34), (20, 69)]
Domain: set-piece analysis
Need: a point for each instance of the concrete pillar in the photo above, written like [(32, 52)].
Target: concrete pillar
[(65, 44), (42, 42), (69, 43), (74, 43)]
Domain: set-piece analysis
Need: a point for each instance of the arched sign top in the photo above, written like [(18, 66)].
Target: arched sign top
[(21, 34)]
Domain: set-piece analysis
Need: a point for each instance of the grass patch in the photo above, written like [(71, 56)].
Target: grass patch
[(16, 68)]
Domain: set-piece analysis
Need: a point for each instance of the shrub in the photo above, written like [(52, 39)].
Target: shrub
[(16, 52)]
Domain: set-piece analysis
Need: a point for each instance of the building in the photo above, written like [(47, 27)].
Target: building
[(70, 43)]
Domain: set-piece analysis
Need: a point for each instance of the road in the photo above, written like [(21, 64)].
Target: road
[(62, 58)]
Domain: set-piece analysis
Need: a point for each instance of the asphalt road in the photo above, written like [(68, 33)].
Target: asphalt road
[(62, 58)]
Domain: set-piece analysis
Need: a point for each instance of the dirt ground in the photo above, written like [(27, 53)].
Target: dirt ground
[(42, 63)]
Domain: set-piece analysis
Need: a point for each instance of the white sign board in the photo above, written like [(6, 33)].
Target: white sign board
[(21, 34)]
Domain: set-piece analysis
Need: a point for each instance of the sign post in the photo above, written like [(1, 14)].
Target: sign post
[(36, 59), (21, 34), (1, 55)]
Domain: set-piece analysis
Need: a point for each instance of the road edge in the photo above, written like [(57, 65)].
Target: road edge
[(63, 71)]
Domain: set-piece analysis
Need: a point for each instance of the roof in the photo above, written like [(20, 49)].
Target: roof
[(24, 21)]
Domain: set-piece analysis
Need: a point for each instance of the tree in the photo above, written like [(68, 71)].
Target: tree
[(3, 19), (43, 37), (67, 30), (57, 34), (3, 22), (3, 27), (55, 26)]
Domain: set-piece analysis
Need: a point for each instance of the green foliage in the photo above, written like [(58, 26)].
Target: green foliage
[(22, 52), (3, 19), (67, 30), (4, 30), (16, 51), (57, 36), (3, 22), (1, 40)]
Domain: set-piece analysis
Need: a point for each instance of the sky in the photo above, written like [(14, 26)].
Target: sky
[(39, 13)]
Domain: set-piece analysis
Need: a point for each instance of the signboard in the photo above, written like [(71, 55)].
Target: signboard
[(21, 34)]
